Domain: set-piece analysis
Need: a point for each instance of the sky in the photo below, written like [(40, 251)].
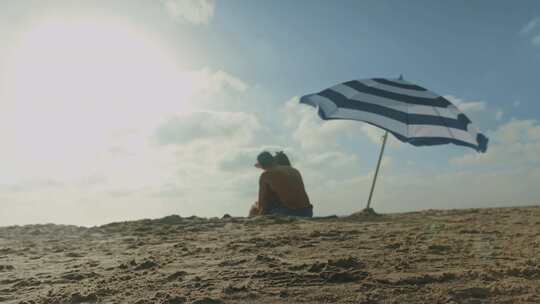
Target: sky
[(118, 110)]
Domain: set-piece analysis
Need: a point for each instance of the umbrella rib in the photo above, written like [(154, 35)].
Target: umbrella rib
[(408, 125), (447, 127)]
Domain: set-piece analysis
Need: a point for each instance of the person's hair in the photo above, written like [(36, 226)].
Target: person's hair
[(282, 159), (265, 159)]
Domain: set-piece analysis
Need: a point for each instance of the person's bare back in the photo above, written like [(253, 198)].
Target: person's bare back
[(281, 190)]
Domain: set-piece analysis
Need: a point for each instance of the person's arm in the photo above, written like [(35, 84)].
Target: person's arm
[(264, 195), (254, 211)]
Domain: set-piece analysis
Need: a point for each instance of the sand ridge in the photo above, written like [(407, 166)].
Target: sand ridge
[(433, 256)]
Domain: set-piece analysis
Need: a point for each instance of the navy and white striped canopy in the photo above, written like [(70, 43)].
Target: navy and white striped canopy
[(410, 112)]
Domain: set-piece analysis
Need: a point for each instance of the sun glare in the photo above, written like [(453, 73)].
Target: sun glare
[(70, 84)]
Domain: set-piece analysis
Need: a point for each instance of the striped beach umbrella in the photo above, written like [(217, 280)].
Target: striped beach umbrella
[(408, 111)]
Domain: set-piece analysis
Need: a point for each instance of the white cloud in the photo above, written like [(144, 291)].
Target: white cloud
[(375, 134), (244, 158), (241, 159), (208, 160), (330, 159), (209, 130), (514, 143), (31, 184), (499, 115), (99, 151), (536, 40), (516, 131), (193, 11), (386, 161), (530, 26), (416, 190), (483, 115), (531, 29), (472, 106), (463, 189), (106, 165), (210, 82), (208, 126), (311, 132), (467, 106)]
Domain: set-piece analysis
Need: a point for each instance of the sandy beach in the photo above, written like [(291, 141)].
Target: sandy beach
[(433, 256)]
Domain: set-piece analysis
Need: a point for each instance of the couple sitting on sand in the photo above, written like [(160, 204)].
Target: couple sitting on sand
[(281, 189)]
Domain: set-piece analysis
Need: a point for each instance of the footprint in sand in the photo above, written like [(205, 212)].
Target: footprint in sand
[(6, 268)]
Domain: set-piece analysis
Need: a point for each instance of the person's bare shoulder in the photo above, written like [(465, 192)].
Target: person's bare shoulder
[(265, 174), (293, 169)]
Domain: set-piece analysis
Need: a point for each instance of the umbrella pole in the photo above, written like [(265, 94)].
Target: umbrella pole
[(377, 170)]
